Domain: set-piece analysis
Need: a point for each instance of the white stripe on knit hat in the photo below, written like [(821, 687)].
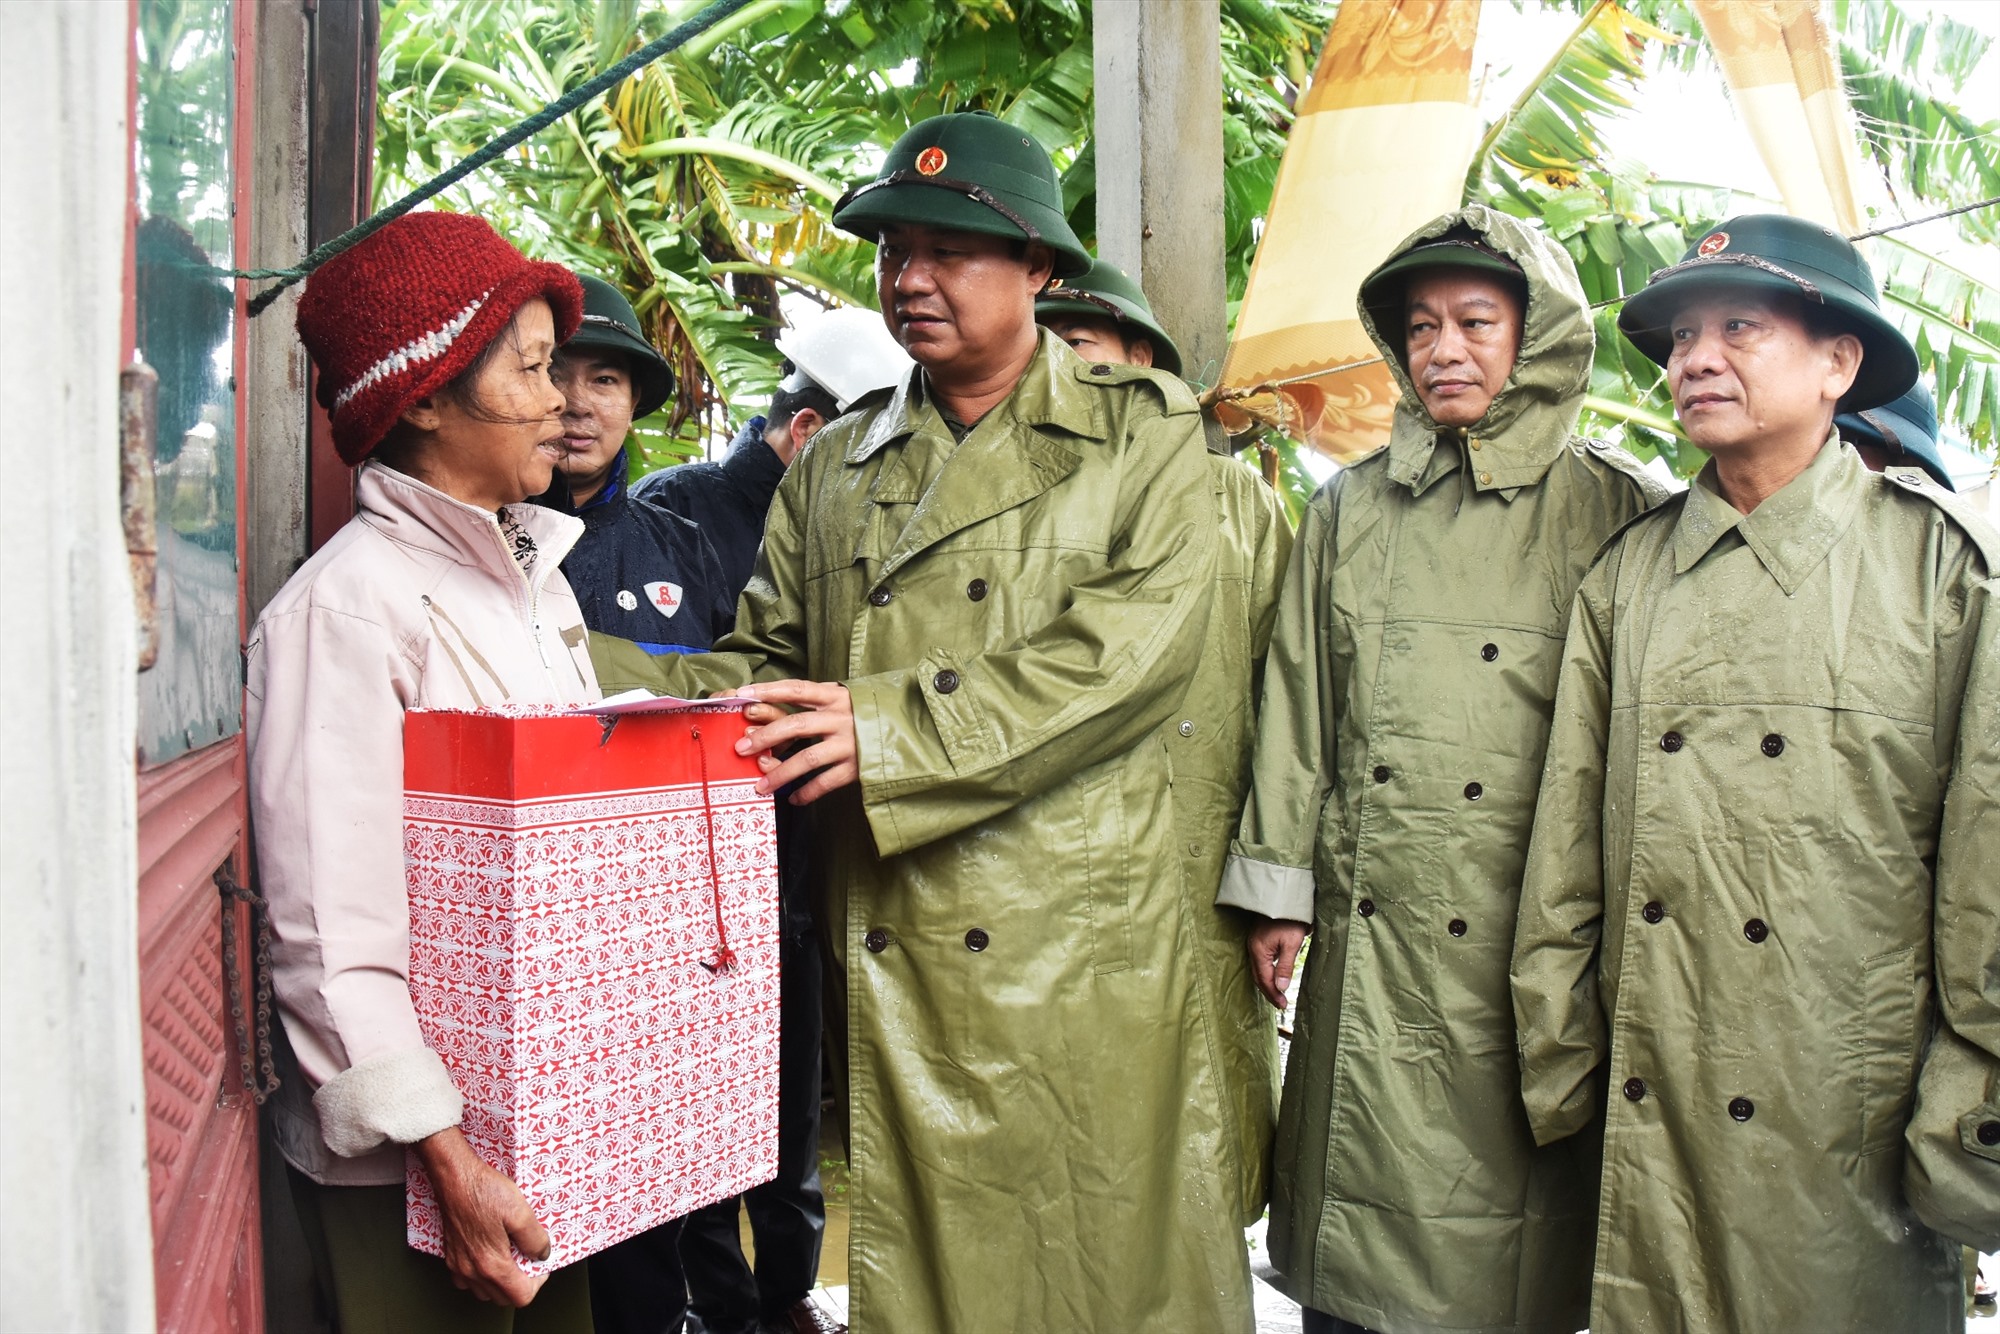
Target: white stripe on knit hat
[(416, 352)]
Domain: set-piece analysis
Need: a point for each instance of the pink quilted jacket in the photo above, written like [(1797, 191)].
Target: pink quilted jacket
[(420, 602)]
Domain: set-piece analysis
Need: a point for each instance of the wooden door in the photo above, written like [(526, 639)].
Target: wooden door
[(185, 321)]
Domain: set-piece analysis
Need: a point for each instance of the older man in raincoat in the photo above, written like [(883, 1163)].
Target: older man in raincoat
[(1006, 565), (1761, 918), (1406, 702)]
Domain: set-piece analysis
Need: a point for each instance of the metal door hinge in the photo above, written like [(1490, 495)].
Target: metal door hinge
[(260, 1076)]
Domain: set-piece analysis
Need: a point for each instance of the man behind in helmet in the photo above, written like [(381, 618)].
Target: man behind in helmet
[(1104, 317), (987, 591), (643, 574), (1902, 434), (832, 360), (639, 572)]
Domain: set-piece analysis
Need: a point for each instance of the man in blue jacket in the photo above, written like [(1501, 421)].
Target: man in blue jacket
[(648, 575), (640, 571), (831, 360)]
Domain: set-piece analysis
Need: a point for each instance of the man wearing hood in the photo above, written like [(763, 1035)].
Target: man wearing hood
[(1407, 701), (1760, 919), (640, 572)]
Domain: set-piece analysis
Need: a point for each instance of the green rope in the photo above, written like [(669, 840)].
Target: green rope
[(533, 125)]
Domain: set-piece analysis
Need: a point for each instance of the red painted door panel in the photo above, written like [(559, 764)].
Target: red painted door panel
[(201, 1125), (189, 219)]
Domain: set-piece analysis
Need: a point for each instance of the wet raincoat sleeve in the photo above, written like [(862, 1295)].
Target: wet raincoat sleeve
[(1952, 1164), (1559, 1021), (1273, 556), (1270, 867), (960, 737)]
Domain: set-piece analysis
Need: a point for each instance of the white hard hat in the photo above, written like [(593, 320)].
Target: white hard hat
[(846, 351)]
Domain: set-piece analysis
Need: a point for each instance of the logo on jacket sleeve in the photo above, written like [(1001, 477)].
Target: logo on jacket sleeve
[(665, 597)]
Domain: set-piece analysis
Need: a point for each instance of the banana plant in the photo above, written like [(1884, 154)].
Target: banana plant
[(1546, 159), (704, 185)]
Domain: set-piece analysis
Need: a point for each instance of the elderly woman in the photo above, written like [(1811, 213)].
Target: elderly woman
[(433, 341)]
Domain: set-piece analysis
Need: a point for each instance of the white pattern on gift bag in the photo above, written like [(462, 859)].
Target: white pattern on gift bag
[(561, 959)]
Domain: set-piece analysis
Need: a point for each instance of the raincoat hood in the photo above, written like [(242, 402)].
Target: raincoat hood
[(1531, 419)]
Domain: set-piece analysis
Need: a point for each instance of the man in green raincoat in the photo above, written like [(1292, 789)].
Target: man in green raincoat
[(1407, 700), (1761, 913), (986, 591), (1104, 316)]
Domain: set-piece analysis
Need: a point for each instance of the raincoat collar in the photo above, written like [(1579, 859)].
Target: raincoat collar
[(1532, 418), (1048, 394), (1792, 531)]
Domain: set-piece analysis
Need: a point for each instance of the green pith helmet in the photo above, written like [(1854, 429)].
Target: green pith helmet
[(1772, 252), (1383, 292), (1906, 428), (972, 172), (1104, 290), (611, 325)]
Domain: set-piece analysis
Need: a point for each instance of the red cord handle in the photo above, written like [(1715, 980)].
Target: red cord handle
[(725, 958)]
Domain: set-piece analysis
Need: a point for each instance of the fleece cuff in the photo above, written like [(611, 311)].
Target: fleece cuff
[(400, 1098)]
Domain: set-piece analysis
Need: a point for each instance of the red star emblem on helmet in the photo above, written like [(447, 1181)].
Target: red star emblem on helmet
[(1713, 244), (931, 161)]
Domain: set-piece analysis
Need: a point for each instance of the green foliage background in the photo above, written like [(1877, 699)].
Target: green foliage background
[(704, 184)]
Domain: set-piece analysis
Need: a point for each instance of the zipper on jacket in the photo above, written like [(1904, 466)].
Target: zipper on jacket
[(534, 593), (535, 627)]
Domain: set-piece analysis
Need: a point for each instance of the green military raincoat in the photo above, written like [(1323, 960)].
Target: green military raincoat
[(1038, 1132), (1209, 741), (1762, 910), (1406, 705)]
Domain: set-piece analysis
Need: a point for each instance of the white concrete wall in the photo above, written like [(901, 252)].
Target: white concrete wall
[(77, 1250)]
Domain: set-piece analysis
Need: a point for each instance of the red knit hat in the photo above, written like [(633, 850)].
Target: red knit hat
[(397, 316)]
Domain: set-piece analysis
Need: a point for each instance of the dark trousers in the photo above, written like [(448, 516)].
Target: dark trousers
[(787, 1213), (636, 1287), (377, 1285), (1319, 1322)]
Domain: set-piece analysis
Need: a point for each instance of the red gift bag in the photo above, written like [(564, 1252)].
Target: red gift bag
[(594, 953)]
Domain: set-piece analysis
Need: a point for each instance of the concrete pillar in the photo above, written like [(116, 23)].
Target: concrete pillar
[(74, 1202), (1159, 163), (276, 440)]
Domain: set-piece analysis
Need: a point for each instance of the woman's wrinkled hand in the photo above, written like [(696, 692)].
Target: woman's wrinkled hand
[(485, 1219)]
